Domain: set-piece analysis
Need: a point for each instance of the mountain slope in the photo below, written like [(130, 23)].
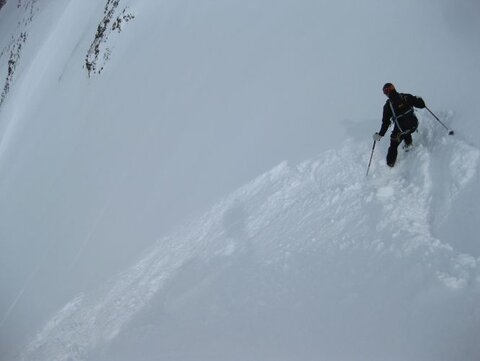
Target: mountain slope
[(307, 262), (121, 120)]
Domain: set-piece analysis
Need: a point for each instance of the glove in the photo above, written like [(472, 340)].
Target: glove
[(377, 137), (419, 103)]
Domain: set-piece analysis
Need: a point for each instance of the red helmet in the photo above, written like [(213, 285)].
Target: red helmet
[(388, 89)]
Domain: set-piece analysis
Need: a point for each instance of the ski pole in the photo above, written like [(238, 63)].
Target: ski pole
[(371, 155), (450, 132)]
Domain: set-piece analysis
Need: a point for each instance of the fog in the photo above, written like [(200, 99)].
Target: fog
[(196, 99)]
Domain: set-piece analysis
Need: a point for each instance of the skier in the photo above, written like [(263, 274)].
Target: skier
[(399, 109)]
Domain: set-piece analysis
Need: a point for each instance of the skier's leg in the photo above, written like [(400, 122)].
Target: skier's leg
[(411, 124), (392, 150), (408, 139)]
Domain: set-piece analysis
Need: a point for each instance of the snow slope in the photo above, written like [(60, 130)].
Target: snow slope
[(122, 121), (310, 261)]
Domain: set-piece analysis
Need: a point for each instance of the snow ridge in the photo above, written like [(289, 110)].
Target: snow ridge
[(319, 229)]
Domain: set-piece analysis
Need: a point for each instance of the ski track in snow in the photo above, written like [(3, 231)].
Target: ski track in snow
[(325, 207)]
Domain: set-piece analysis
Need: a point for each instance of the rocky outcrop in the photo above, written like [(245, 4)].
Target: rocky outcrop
[(99, 52)]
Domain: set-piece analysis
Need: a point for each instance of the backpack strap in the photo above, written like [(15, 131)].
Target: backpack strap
[(394, 115)]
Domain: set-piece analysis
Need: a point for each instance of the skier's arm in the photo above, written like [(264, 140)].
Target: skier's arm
[(387, 115), (415, 101)]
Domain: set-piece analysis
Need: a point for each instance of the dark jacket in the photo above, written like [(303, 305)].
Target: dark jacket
[(404, 117)]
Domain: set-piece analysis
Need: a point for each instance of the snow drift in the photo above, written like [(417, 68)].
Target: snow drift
[(308, 262)]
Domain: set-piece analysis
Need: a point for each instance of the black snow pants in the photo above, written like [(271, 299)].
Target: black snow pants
[(409, 125)]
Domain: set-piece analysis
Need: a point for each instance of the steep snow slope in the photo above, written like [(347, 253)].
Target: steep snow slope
[(186, 101), (306, 262), (36, 116)]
